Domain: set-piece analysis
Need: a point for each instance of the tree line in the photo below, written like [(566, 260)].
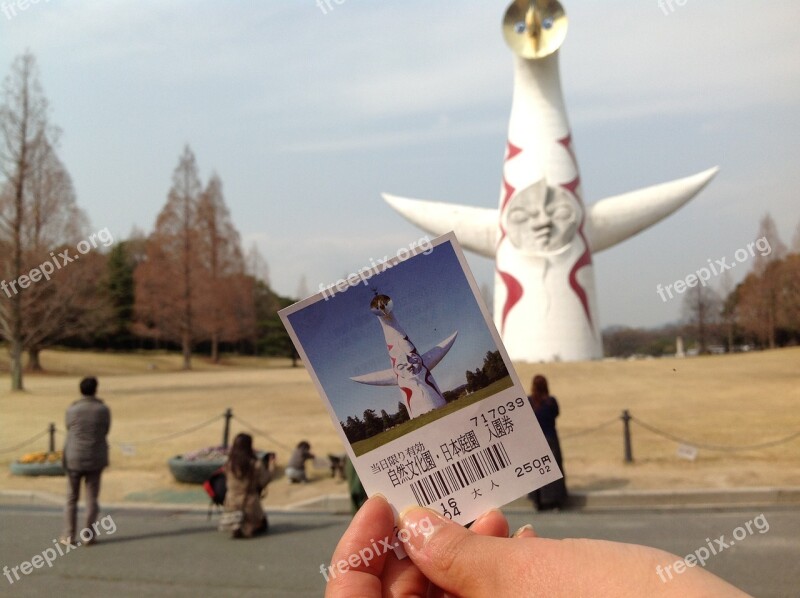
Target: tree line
[(761, 312), (186, 285)]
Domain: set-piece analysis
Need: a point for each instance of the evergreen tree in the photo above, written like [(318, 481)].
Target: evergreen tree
[(386, 420), (121, 293)]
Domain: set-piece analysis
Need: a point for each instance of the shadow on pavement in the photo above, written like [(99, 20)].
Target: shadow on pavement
[(290, 527), (275, 529), (150, 535)]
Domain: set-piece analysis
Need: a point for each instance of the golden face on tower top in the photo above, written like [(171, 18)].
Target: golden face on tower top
[(535, 28)]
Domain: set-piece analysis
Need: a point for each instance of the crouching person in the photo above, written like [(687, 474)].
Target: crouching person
[(246, 477), (296, 467)]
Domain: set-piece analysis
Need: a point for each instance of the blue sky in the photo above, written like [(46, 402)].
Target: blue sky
[(431, 299), (307, 117)]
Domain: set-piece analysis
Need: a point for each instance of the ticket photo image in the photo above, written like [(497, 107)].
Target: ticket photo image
[(401, 351)]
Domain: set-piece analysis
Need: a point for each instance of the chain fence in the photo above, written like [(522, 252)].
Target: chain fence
[(130, 446), (24, 443), (691, 445), (590, 430), (172, 435), (715, 447)]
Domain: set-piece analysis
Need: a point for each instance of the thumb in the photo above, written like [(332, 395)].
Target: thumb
[(454, 558)]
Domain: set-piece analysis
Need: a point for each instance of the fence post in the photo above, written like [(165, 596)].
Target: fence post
[(52, 431), (626, 418), (226, 434)]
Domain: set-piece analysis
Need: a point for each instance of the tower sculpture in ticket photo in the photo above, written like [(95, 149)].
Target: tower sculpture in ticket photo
[(410, 371), (542, 236)]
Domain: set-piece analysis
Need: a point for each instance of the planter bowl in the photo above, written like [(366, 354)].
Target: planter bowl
[(193, 472), (37, 469)]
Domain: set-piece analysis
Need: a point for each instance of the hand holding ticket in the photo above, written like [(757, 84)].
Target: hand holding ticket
[(420, 387), (484, 561)]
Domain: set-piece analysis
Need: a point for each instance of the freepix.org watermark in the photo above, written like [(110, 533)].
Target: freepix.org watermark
[(365, 555), (327, 6), (49, 555), (10, 8), (56, 262), (702, 554), (704, 274), (365, 273), (668, 6)]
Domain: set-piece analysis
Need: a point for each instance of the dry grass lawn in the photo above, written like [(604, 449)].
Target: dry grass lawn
[(722, 400)]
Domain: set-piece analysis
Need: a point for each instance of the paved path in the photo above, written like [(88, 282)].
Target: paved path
[(163, 553)]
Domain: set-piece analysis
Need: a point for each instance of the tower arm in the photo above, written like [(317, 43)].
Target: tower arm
[(612, 220), (389, 378), (382, 378), (476, 228), (432, 358)]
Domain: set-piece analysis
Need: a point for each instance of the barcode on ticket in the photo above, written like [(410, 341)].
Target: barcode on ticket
[(460, 474)]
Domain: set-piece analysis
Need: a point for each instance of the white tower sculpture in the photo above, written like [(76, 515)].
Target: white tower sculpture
[(542, 237), (410, 370)]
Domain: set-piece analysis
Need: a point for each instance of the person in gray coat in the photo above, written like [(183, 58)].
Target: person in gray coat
[(85, 456)]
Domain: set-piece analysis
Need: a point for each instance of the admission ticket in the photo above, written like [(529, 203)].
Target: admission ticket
[(419, 385)]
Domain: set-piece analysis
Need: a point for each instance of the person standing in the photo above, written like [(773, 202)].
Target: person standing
[(545, 406), (85, 456)]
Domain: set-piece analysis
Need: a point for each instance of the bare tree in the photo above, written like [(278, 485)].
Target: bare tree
[(791, 310), (168, 280), (757, 307), (776, 248), (771, 301), (73, 304), (702, 307), (789, 294), (227, 305), (256, 265), (69, 302), (762, 299), (796, 239), (37, 212), (23, 120), (728, 298)]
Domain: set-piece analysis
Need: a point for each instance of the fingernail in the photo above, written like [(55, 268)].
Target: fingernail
[(379, 495), (525, 528), (485, 515), (417, 525)]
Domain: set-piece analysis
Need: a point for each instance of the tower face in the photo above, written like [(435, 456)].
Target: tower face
[(420, 392)]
